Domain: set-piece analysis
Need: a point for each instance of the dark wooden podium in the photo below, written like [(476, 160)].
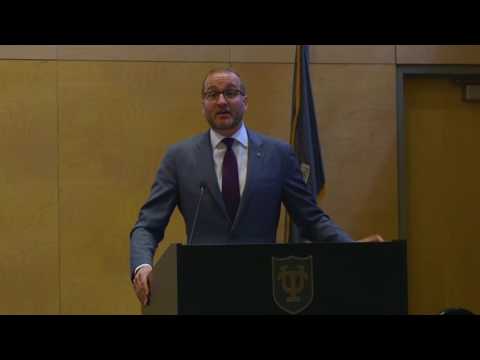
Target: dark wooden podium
[(317, 278)]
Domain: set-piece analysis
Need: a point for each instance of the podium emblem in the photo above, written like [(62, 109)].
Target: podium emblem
[(292, 280)]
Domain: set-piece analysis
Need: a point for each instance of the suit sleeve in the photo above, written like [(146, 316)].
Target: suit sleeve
[(314, 224), (155, 214)]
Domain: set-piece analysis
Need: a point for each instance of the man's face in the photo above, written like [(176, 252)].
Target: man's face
[(224, 112)]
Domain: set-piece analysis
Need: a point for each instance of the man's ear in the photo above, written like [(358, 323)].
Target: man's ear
[(245, 102)]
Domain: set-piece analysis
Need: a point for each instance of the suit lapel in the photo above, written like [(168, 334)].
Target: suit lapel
[(254, 168), (206, 166)]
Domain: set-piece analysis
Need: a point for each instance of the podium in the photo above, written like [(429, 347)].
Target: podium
[(280, 279)]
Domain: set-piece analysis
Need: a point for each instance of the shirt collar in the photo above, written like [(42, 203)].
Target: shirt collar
[(241, 136)]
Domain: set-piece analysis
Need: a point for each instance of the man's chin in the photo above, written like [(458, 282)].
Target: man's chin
[(224, 125)]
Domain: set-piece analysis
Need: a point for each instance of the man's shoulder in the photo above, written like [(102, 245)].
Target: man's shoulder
[(267, 140), (189, 143), (186, 148)]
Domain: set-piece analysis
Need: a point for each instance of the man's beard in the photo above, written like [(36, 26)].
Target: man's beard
[(224, 125)]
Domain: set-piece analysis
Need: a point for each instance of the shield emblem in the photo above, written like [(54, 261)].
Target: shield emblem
[(292, 281)]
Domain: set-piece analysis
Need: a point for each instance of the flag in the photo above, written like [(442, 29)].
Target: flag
[(303, 132)]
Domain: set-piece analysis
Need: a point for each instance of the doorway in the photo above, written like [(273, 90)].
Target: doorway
[(439, 188)]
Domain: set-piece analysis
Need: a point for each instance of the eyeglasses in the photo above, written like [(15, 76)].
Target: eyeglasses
[(229, 94)]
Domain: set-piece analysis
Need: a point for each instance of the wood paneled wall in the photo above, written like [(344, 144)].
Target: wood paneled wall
[(321, 54), (438, 54), (29, 242)]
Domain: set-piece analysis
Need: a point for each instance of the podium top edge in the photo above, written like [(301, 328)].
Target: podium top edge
[(317, 243)]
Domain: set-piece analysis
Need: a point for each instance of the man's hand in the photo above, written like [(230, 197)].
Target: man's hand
[(371, 238), (141, 284)]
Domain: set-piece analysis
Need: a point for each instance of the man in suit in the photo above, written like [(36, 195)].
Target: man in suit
[(235, 177)]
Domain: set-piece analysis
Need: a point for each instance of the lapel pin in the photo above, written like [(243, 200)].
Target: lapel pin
[(259, 154)]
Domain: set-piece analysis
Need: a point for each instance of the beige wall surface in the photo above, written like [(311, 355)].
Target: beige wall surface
[(320, 54), (353, 54), (334, 54), (28, 52), (180, 53), (29, 269), (356, 115), (438, 54)]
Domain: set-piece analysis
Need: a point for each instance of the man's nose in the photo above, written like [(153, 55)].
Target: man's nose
[(221, 99)]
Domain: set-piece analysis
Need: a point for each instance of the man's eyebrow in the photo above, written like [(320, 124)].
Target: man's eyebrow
[(228, 87)]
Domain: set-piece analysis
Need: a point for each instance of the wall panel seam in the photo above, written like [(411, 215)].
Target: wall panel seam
[(59, 248)]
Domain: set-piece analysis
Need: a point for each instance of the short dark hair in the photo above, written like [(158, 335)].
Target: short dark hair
[(456, 311), (243, 89)]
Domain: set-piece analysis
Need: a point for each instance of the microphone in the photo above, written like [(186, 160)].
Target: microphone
[(194, 224)]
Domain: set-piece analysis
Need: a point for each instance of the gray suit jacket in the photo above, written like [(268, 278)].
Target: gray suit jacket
[(273, 177)]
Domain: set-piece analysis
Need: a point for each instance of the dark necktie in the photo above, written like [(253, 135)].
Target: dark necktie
[(230, 183)]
